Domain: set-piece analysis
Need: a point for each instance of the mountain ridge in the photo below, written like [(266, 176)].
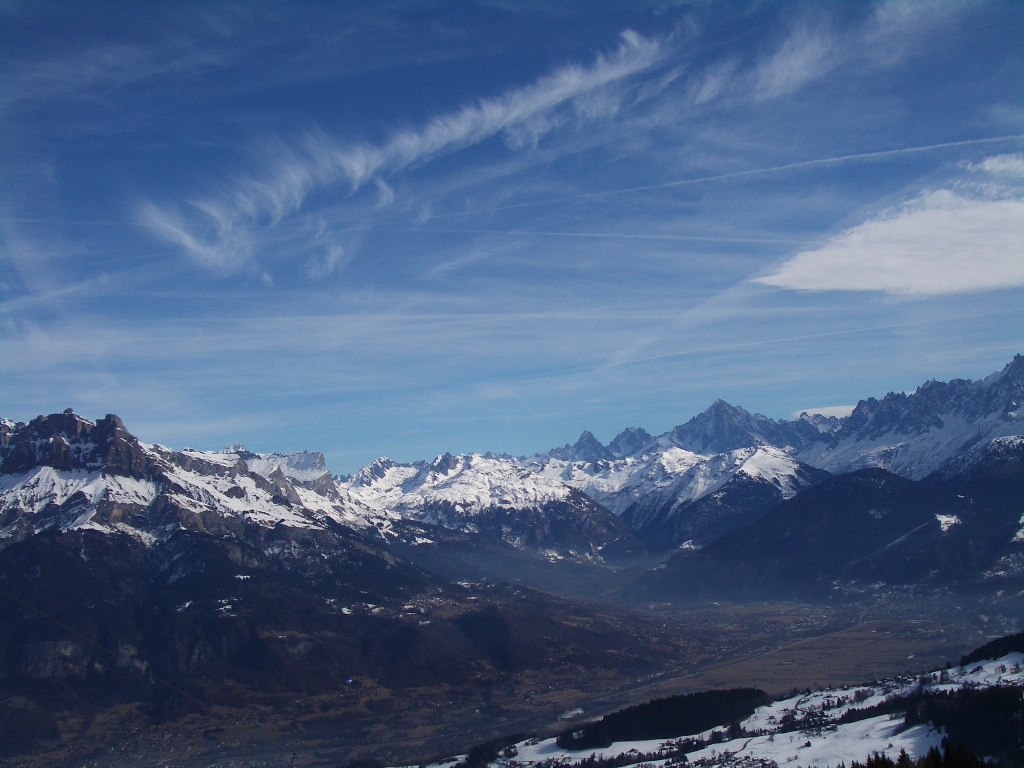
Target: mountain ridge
[(693, 483)]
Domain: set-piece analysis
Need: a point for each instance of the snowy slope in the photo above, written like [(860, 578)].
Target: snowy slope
[(453, 489), (827, 743), (45, 498), (495, 495), (846, 743), (910, 454), (653, 489), (67, 473)]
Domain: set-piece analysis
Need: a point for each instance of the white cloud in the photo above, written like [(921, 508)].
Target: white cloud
[(903, 20), (114, 66), (224, 248), (385, 194), (219, 230), (805, 55), (1002, 165), (332, 258), (713, 82), (940, 243), (526, 109)]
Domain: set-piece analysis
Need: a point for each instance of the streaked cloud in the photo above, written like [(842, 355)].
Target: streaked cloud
[(223, 246), (110, 67), (216, 231), (805, 55)]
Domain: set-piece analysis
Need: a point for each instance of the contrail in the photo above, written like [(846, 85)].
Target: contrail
[(710, 348), (805, 337), (619, 235), (817, 162)]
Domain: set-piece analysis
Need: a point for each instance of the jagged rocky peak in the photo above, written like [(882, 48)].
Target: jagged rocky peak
[(1013, 371), (1007, 387), (923, 411), (629, 442), (307, 468), (372, 472), (825, 425), (445, 464), (724, 427), (67, 441), (586, 448), (589, 448), (904, 414), (7, 428)]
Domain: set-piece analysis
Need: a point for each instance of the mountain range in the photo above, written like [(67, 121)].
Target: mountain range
[(718, 472), (240, 571)]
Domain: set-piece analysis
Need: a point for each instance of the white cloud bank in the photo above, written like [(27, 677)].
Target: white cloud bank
[(940, 243)]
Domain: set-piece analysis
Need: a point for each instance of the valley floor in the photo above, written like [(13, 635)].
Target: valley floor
[(777, 647)]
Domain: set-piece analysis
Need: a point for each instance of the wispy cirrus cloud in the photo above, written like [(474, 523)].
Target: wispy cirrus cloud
[(217, 231), (808, 53), (897, 26), (111, 66)]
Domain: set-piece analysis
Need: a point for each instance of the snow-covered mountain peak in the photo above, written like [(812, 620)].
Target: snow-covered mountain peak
[(64, 472), (497, 495), (1013, 371), (372, 473), (772, 465), (445, 463), (826, 425), (300, 466), (586, 448), (475, 482)]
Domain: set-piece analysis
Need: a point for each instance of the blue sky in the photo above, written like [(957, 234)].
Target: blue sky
[(407, 228)]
